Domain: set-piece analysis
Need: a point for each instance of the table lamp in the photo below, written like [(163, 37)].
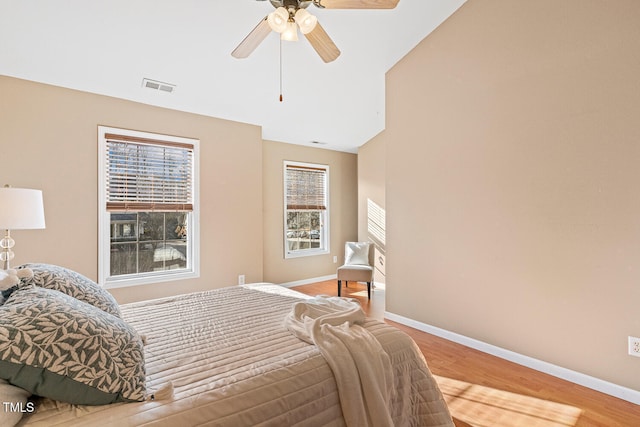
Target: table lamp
[(20, 209)]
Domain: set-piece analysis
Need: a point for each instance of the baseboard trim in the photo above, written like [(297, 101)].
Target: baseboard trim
[(308, 281), (593, 383)]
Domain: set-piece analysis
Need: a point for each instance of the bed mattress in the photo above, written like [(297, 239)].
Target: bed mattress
[(232, 362)]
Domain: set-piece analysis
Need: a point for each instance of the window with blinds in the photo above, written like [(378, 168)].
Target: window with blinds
[(306, 206), (145, 174), (148, 207)]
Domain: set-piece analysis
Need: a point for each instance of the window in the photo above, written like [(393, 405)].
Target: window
[(148, 207), (306, 219)]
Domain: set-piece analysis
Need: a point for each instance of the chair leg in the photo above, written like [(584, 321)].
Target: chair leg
[(369, 290), (339, 286), (346, 283)]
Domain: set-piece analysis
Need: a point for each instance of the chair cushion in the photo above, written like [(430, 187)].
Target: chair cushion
[(356, 253), (355, 273), (355, 267)]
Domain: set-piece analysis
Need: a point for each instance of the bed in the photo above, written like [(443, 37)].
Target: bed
[(225, 357)]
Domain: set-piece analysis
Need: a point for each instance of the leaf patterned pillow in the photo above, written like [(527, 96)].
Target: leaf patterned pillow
[(73, 284), (56, 346)]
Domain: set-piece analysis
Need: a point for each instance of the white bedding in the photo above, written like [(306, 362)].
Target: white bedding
[(232, 362)]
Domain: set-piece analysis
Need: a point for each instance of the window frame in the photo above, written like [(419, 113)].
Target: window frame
[(104, 223), (324, 228)]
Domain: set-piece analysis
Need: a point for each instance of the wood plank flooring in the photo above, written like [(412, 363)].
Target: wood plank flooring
[(484, 390)]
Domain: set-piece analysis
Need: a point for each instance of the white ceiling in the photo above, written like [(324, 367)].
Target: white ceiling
[(108, 47)]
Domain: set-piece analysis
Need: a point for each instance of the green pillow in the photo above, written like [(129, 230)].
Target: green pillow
[(55, 346), (73, 284)]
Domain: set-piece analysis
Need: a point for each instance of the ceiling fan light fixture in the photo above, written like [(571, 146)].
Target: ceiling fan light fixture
[(278, 19), (306, 21), (290, 33)]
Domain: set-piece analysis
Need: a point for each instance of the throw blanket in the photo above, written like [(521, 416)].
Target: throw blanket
[(361, 367)]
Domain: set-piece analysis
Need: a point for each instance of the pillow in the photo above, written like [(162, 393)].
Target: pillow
[(73, 284), (14, 403), (10, 279), (55, 346), (6, 293), (356, 253)]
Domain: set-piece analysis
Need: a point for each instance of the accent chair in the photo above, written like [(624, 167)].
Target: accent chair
[(358, 265)]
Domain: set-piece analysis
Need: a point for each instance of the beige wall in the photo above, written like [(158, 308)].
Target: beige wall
[(343, 205), (371, 180), (513, 208), (372, 201), (48, 140)]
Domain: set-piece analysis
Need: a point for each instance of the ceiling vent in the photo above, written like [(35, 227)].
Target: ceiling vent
[(156, 85)]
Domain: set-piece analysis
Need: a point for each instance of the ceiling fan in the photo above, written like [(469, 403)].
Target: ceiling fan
[(292, 14)]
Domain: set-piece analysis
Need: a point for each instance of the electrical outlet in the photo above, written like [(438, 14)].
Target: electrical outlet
[(634, 346), (335, 259), (241, 279)]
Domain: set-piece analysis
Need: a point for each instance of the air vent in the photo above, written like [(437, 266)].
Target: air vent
[(156, 85)]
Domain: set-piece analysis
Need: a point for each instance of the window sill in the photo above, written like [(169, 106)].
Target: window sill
[(150, 278), (306, 253)]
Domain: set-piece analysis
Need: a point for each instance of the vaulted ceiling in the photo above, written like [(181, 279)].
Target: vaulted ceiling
[(109, 47)]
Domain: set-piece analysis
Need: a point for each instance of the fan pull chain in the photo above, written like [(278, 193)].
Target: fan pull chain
[(280, 70)]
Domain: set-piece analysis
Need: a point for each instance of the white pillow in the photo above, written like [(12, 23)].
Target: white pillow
[(356, 253), (12, 395)]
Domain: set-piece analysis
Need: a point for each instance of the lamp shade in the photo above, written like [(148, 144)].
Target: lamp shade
[(306, 21), (21, 208), (290, 33), (277, 19)]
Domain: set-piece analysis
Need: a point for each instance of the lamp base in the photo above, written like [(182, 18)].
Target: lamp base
[(7, 254)]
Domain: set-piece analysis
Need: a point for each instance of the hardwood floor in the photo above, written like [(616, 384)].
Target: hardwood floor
[(484, 390)]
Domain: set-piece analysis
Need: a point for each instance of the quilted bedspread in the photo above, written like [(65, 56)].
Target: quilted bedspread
[(232, 362)]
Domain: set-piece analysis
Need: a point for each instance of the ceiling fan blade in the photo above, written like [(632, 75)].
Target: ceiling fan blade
[(253, 39), (323, 44), (357, 4)]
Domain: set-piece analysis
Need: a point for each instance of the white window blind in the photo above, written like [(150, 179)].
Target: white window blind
[(306, 187), (145, 174)]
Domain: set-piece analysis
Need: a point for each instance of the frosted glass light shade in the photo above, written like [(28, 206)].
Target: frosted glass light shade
[(291, 33), (306, 21), (21, 208), (277, 19)]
